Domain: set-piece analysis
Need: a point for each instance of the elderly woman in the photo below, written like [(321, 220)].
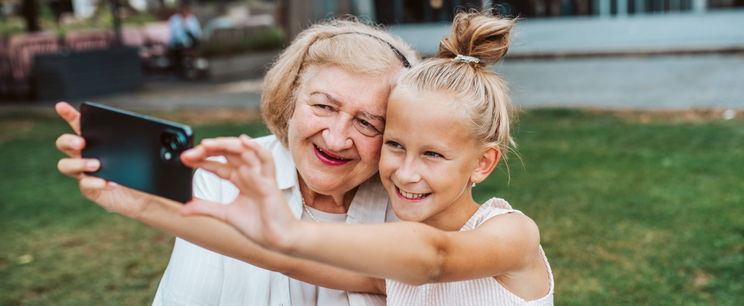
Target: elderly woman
[(324, 101)]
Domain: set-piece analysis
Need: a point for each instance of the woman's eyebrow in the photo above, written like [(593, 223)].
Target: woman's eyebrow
[(373, 116), (330, 98)]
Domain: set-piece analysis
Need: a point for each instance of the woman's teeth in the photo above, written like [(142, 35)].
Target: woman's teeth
[(326, 154)]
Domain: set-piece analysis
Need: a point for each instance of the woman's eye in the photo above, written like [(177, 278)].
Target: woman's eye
[(366, 128), (323, 107), (433, 154)]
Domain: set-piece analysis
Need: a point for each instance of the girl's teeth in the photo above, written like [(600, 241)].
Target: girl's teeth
[(412, 196)]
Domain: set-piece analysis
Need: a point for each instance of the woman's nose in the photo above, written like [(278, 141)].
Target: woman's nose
[(337, 136)]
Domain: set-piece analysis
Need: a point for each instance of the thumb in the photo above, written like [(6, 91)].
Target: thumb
[(199, 207)]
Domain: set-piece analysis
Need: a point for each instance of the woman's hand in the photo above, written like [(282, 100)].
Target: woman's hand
[(109, 195), (260, 210)]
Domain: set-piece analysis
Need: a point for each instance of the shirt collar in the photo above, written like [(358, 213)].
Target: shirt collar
[(286, 173)]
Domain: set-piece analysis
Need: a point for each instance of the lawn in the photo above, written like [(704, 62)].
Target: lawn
[(630, 213)]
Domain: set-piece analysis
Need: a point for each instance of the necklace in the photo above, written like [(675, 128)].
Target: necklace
[(307, 210)]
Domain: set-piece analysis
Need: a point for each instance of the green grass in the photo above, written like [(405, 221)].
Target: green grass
[(630, 213)]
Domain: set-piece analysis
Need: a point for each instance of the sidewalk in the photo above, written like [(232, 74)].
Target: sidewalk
[(548, 66), (713, 31)]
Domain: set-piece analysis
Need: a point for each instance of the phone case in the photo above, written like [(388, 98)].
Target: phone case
[(137, 151)]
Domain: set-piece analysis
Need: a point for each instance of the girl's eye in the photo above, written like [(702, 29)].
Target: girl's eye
[(433, 154), (393, 145)]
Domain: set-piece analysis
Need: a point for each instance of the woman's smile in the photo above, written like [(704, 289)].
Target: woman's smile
[(329, 158)]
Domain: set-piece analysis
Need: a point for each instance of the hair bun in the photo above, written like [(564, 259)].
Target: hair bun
[(478, 35)]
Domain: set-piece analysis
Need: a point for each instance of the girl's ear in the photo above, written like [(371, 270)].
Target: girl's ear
[(487, 161)]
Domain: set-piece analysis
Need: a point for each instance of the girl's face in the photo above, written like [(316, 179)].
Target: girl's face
[(336, 130), (429, 155)]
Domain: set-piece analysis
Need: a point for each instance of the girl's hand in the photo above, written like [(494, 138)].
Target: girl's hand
[(260, 210), (109, 195)]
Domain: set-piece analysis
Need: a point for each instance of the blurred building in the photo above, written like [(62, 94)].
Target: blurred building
[(426, 11)]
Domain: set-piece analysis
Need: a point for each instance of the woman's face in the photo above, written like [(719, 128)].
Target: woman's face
[(335, 132)]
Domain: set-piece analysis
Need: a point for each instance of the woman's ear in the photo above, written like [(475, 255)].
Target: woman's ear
[(487, 161)]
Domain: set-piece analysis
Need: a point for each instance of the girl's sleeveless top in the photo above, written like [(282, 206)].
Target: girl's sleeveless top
[(482, 291)]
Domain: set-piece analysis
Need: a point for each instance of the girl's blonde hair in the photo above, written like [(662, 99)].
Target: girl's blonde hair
[(481, 92), (348, 43)]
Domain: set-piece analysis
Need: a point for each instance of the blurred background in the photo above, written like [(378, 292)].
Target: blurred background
[(630, 132)]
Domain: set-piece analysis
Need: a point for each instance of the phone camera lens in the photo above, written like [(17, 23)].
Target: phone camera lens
[(174, 141)]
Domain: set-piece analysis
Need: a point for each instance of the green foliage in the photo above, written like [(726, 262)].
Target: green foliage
[(262, 39), (629, 213), (102, 19)]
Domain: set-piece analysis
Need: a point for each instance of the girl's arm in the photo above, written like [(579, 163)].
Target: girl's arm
[(416, 253), (410, 252), (224, 239)]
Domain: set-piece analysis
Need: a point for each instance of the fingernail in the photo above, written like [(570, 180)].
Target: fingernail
[(92, 164), (77, 142)]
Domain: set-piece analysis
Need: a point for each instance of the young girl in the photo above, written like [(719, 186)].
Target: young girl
[(447, 128)]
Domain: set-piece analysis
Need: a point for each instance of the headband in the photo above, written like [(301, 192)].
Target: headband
[(395, 50)]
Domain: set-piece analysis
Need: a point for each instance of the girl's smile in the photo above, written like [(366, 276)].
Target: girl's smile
[(427, 166)]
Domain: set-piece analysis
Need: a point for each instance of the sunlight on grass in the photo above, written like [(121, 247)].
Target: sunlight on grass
[(630, 213)]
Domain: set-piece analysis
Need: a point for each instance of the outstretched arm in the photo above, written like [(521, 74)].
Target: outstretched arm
[(206, 232), (222, 238), (410, 252)]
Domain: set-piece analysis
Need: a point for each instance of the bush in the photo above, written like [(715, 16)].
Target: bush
[(225, 42)]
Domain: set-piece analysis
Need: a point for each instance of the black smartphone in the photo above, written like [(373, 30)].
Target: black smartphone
[(137, 151)]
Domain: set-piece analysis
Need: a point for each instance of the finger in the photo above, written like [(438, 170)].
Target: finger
[(220, 169), (75, 167), (222, 146), (205, 208), (70, 144), (229, 147), (194, 156), (264, 156), (90, 186), (70, 114)]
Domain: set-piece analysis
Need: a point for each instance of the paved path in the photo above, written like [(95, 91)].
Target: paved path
[(675, 82), (656, 82), (714, 30)]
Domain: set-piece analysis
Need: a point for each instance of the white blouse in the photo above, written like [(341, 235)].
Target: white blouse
[(197, 276)]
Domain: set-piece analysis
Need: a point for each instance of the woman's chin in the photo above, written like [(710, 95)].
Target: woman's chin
[(326, 184)]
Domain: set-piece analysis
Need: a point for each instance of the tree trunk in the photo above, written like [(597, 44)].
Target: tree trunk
[(30, 12)]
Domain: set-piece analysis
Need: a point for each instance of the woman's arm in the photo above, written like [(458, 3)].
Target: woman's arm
[(164, 214), (410, 252)]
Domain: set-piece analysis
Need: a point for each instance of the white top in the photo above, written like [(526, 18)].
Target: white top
[(196, 276), (482, 291), (305, 293)]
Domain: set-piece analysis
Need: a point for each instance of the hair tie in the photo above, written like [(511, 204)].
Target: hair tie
[(466, 59)]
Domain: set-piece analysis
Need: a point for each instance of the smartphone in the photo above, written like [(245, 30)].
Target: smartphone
[(137, 151)]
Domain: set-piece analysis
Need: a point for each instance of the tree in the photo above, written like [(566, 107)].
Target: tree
[(30, 11)]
